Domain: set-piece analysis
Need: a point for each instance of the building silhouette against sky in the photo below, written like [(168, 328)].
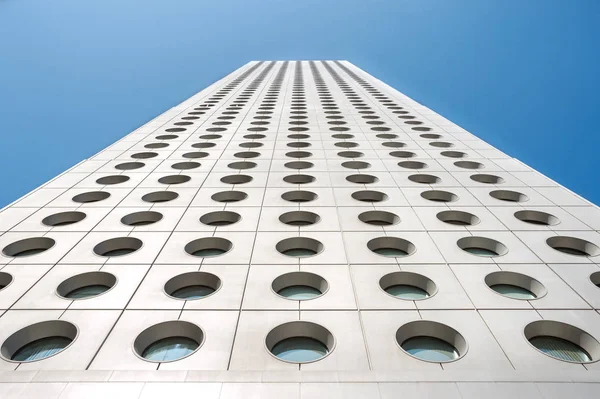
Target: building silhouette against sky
[(300, 230)]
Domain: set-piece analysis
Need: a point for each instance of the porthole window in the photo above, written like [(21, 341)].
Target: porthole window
[(229, 196), (441, 144), (299, 196), (350, 154), (298, 154), (299, 286), (431, 341), (129, 165), (379, 218), (168, 341), (458, 218), (369, 196), (362, 179), (174, 179), (487, 179), (185, 165), (515, 285), (160, 196), (39, 341), (300, 342), (573, 246), (110, 180), (156, 145), (299, 179), (247, 154), (408, 286), (469, 165), (562, 341), (412, 165), (509, 196), (86, 285), (454, 154), (144, 155), (208, 247), (439, 196), (141, 218), (424, 179), (192, 286), (63, 219), (537, 217), (5, 280), (594, 278), (299, 165), (220, 218), (391, 247), (482, 246), (299, 247), (28, 247), (403, 154), (89, 197), (242, 165), (236, 179), (118, 246), (299, 218), (356, 165)]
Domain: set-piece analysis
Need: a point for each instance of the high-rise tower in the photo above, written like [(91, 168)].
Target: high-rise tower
[(300, 230)]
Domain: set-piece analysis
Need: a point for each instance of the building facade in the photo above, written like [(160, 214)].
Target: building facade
[(300, 230)]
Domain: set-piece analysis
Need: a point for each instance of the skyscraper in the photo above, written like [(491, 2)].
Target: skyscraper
[(300, 230)]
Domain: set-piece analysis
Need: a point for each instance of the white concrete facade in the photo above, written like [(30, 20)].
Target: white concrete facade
[(375, 171)]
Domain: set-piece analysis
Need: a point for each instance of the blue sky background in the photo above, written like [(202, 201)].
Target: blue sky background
[(77, 75)]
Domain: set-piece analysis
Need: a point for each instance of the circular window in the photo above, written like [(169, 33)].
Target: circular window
[(185, 165), (408, 286), (356, 165), (515, 285), (424, 179), (379, 218), (469, 165), (594, 278), (167, 137), (129, 165), (5, 280), (562, 341), (458, 218), (300, 286), (144, 155), (118, 246), (509, 196), (394, 144), (391, 247), (236, 179), (299, 136), (242, 165), (229, 196), (369, 196), (86, 285), (92, 196), (156, 145), (454, 154), (174, 179), (537, 217), (403, 154), (573, 246), (299, 218), (254, 136), (247, 154), (63, 218), (141, 218), (300, 342), (299, 165), (482, 246), (251, 144), (195, 155), (299, 247), (208, 247), (115, 179), (160, 196), (298, 154), (431, 341), (210, 136), (487, 179), (193, 285), (39, 341), (362, 179), (350, 154), (439, 196), (412, 165), (298, 144), (168, 341), (220, 218), (299, 179), (441, 144), (28, 247), (299, 196)]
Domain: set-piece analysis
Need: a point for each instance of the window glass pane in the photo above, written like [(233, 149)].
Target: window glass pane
[(512, 291), (171, 348), (409, 292), (430, 349), (391, 252), (193, 292), (41, 349), (299, 349), (299, 252), (87, 291), (560, 349), (299, 292)]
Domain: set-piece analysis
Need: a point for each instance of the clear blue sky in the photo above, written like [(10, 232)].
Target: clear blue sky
[(77, 75)]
